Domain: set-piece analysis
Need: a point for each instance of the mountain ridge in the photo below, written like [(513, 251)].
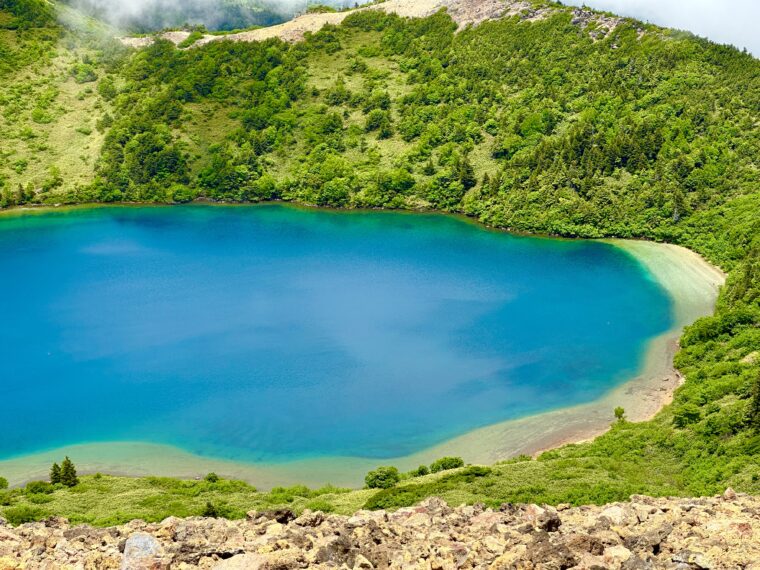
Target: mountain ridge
[(463, 12)]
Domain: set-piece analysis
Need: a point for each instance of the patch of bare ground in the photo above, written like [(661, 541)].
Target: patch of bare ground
[(463, 12)]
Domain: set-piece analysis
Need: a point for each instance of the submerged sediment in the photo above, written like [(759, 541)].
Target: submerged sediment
[(717, 532)]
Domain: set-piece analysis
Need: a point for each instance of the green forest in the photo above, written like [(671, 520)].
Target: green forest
[(541, 125)]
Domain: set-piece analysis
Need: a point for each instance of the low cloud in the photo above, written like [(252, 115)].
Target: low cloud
[(215, 14), (732, 22)]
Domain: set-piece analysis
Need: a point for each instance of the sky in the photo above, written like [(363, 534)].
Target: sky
[(735, 22)]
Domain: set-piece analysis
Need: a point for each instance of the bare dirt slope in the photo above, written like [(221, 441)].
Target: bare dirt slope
[(463, 12)]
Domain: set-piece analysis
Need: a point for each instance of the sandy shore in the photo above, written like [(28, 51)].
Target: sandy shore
[(691, 283)]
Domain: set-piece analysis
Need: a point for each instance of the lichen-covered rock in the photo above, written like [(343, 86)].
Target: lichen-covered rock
[(142, 552), (719, 533)]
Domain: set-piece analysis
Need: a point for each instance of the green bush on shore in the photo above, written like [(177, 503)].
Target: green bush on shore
[(421, 471), (446, 463), (35, 487), (382, 478), (23, 514)]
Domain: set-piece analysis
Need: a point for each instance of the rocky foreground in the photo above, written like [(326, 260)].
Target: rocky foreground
[(718, 532)]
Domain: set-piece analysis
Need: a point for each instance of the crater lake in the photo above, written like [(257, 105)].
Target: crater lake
[(275, 333)]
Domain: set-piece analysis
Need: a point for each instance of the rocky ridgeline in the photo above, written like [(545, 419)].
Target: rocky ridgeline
[(463, 12), (719, 532)]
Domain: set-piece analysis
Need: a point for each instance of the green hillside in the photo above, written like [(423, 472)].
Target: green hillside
[(549, 126)]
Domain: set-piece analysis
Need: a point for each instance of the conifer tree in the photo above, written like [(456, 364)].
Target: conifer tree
[(466, 173), (69, 473), (55, 474), (679, 204), (753, 414), (210, 510)]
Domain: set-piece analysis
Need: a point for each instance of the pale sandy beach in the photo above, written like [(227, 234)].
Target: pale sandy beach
[(690, 281)]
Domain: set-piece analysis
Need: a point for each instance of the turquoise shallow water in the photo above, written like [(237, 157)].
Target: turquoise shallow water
[(273, 333)]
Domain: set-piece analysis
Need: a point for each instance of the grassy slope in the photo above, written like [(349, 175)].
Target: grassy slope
[(47, 116), (698, 445), (104, 500)]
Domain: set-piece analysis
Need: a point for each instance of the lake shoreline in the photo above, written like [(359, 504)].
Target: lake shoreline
[(34, 209), (689, 280)]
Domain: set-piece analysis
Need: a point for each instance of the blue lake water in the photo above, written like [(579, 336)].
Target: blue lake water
[(272, 333)]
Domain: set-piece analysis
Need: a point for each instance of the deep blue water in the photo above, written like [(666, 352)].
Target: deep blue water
[(272, 333)]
